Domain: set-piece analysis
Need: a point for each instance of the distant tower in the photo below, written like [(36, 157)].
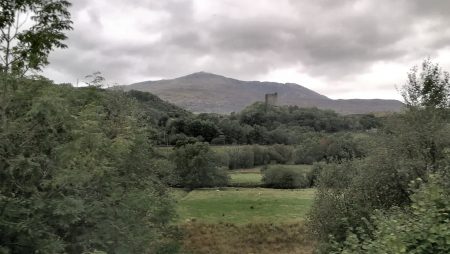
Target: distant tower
[(271, 99)]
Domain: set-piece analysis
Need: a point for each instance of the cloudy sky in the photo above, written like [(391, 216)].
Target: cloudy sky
[(342, 49)]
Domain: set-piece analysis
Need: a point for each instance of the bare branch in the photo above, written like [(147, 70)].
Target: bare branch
[(3, 59), (19, 24)]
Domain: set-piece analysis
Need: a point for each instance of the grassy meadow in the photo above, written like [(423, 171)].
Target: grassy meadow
[(244, 220), (244, 205), (245, 217)]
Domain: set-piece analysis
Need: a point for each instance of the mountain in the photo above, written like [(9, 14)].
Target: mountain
[(211, 93)]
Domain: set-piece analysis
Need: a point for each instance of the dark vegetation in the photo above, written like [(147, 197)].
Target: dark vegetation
[(285, 178), (77, 170), (196, 166), (261, 124)]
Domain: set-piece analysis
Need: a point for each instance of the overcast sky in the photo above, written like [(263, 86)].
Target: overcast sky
[(342, 49)]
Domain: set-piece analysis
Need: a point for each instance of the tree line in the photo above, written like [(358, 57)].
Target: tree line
[(260, 124)]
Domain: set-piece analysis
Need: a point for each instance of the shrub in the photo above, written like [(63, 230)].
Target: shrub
[(281, 154), (314, 174), (284, 178), (196, 166), (260, 155), (219, 140), (412, 146), (308, 153), (222, 158), (423, 228), (241, 157), (77, 170)]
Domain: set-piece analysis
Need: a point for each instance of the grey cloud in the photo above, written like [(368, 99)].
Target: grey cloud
[(331, 39)]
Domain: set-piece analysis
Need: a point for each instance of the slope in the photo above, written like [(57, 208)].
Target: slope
[(211, 93)]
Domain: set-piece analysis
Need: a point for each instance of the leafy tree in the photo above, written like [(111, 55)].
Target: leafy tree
[(422, 228), (30, 30), (429, 88), (78, 173), (284, 178), (196, 166), (205, 128), (412, 145)]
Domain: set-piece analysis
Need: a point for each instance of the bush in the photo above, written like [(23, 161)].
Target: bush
[(308, 153), (411, 146), (281, 154), (423, 228), (256, 155), (260, 155), (77, 169), (197, 166), (241, 157), (315, 172), (284, 178), (222, 158), (220, 140)]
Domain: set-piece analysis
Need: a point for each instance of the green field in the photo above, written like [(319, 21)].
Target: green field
[(244, 205)]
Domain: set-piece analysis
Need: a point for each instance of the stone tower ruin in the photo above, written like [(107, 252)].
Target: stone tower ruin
[(271, 99)]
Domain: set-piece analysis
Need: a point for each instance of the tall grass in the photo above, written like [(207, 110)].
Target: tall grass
[(263, 238)]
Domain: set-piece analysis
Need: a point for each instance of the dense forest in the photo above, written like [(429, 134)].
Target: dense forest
[(258, 124)]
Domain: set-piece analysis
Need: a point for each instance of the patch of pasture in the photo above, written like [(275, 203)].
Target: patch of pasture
[(245, 205)]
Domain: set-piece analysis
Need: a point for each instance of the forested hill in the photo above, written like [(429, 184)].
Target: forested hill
[(210, 93), (157, 109)]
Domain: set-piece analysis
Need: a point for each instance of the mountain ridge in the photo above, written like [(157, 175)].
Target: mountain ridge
[(203, 92)]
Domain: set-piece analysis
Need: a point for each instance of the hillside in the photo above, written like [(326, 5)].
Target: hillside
[(206, 92)]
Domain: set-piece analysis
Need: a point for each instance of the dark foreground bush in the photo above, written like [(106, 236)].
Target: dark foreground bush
[(77, 174), (284, 178), (422, 228)]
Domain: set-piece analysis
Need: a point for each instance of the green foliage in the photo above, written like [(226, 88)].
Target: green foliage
[(247, 156), (313, 119), (27, 48), (260, 155), (258, 124), (204, 128), (241, 157), (285, 178), (349, 192), (337, 147), (423, 228), (410, 146), (78, 173), (280, 153), (429, 88), (196, 166), (315, 172)]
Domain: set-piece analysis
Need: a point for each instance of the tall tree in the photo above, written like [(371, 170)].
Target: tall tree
[(29, 31), (429, 88)]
